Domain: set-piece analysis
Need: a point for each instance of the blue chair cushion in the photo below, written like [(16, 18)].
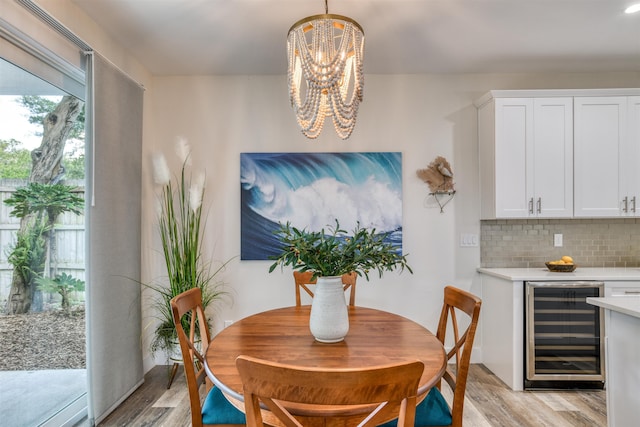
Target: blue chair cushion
[(432, 411), (217, 410)]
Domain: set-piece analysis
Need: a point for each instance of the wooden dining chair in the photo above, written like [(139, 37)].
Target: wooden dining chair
[(341, 392), (303, 280), (216, 409), (434, 409)]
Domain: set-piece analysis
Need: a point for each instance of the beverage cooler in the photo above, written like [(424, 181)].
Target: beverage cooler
[(564, 344)]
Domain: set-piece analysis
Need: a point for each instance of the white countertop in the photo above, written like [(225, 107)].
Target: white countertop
[(542, 274), (625, 305)]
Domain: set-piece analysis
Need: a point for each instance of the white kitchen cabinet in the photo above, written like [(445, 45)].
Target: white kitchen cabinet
[(607, 156), (502, 327), (526, 157)]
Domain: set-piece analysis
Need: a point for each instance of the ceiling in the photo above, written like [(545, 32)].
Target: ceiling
[(189, 37)]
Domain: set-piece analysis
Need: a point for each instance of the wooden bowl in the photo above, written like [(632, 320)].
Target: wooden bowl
[(561, 268)]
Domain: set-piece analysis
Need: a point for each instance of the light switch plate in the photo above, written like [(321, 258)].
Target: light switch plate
[(468, 240)]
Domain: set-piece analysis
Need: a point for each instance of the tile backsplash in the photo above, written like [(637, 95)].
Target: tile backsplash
[(529, 242)]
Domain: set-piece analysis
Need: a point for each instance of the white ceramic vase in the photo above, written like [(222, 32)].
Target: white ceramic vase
[(329, 320)]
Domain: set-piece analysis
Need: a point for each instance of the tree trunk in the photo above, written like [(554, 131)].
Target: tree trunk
[(20, 297), (46, 165), (66, 303)]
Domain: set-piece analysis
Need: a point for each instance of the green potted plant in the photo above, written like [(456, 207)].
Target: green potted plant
[(329, 255), (181, 228)]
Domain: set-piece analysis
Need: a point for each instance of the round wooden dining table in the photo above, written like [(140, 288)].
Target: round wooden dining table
[(282, 335)]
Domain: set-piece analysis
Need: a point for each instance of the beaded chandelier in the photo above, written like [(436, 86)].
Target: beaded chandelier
[(325, 76)]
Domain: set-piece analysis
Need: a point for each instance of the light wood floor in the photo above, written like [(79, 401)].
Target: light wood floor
[(489, 402)]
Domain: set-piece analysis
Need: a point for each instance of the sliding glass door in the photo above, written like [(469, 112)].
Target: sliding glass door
[(43, 380)]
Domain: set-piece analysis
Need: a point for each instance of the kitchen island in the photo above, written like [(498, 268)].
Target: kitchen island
[(503, 302), (622, 358)]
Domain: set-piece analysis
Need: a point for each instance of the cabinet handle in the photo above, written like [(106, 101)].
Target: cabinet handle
[(539, 207), (531, 206), (633, 204), (625, 203), (632, 292)]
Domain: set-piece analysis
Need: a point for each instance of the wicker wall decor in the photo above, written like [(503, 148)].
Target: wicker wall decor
[(439, 176)]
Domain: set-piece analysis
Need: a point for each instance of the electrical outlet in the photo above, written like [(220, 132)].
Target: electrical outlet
[(557, 240)]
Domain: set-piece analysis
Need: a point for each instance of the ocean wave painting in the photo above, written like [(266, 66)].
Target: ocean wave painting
[(311, 190)]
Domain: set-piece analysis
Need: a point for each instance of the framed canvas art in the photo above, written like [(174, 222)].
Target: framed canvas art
[(312, 190)]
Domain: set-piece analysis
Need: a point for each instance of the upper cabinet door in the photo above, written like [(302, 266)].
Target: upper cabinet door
[(599, 156), (631, 185), (552, 154), (513, 159)]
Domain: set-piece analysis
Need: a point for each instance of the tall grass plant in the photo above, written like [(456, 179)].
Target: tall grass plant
[(181, 227)]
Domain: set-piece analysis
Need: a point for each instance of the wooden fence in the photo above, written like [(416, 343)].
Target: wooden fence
[(69, 239)]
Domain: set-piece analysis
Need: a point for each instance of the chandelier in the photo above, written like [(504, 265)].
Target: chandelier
[(325, 76)]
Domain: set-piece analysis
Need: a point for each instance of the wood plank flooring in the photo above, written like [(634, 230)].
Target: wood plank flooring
[(489, 403)]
